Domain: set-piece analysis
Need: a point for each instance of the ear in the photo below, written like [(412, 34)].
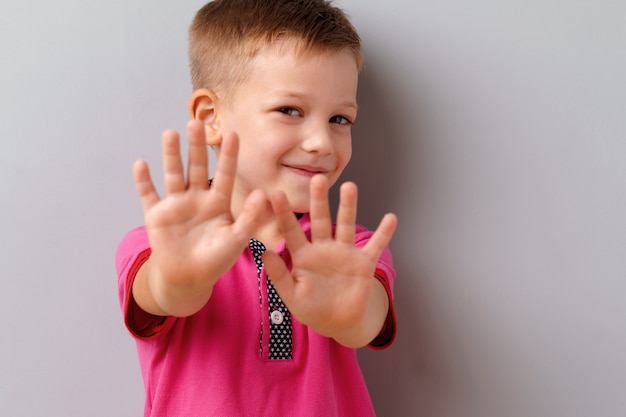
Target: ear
[(202, 106)]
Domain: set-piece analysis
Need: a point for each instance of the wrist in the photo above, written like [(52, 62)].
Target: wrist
[(371, 321), (177, 295)]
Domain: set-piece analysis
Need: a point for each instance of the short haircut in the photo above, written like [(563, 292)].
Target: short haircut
[(226, 34)]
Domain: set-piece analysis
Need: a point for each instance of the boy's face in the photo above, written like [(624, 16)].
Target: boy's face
[(293, 116)]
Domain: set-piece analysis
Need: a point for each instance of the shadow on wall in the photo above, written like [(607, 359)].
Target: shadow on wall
[(407, 378)]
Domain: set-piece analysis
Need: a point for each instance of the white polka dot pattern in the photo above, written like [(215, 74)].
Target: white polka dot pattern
[(281, 333)]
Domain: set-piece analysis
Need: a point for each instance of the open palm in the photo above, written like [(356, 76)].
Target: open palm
[(193, 235), (330, 282)]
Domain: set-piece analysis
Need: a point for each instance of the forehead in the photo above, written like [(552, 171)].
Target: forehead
[(286, 65)]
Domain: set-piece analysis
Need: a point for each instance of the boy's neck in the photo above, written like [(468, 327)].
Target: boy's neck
[(269, 235)]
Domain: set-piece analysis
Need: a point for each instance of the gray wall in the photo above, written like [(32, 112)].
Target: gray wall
[(496, 130)]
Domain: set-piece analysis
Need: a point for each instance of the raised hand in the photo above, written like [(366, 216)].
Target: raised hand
[(331, 286), (193, 235)]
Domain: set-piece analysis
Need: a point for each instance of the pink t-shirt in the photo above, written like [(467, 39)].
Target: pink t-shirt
[(217, 362)]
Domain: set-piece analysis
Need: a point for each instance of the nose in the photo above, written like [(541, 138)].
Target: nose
[(318, 140)]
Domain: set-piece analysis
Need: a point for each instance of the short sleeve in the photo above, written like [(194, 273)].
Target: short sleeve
[(132, 252), (386, 274)]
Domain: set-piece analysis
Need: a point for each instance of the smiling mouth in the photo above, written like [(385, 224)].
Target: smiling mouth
[(306, 171)]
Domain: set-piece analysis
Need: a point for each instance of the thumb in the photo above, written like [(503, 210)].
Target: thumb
[(280, 275), (247, 220)]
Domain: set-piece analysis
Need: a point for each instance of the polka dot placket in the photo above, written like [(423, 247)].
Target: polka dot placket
[(281, 335)]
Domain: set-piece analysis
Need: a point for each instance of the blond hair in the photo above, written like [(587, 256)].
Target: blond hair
[(225, 35)]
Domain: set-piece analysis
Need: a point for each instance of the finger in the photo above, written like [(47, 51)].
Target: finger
[(382, 236), (198, 168), (287, 222), (226, 167), (172, 164), (144, 185), (280, 275), (346, 214), (320, 210), (249, 217)]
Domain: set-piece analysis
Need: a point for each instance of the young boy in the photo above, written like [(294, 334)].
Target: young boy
[(275, 95)]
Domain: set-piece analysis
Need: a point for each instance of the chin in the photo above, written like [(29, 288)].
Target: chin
[(300, 205), (300, 209)]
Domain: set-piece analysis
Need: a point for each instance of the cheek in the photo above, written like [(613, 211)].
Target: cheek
[(345, 154)]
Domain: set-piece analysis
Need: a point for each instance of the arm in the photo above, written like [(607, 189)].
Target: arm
[(193, 235), (331, 286)]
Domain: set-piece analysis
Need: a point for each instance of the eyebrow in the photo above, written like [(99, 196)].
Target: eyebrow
[(288, 94)]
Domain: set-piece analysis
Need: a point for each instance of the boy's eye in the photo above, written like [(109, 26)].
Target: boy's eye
[(290, 111), (340, 120)]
